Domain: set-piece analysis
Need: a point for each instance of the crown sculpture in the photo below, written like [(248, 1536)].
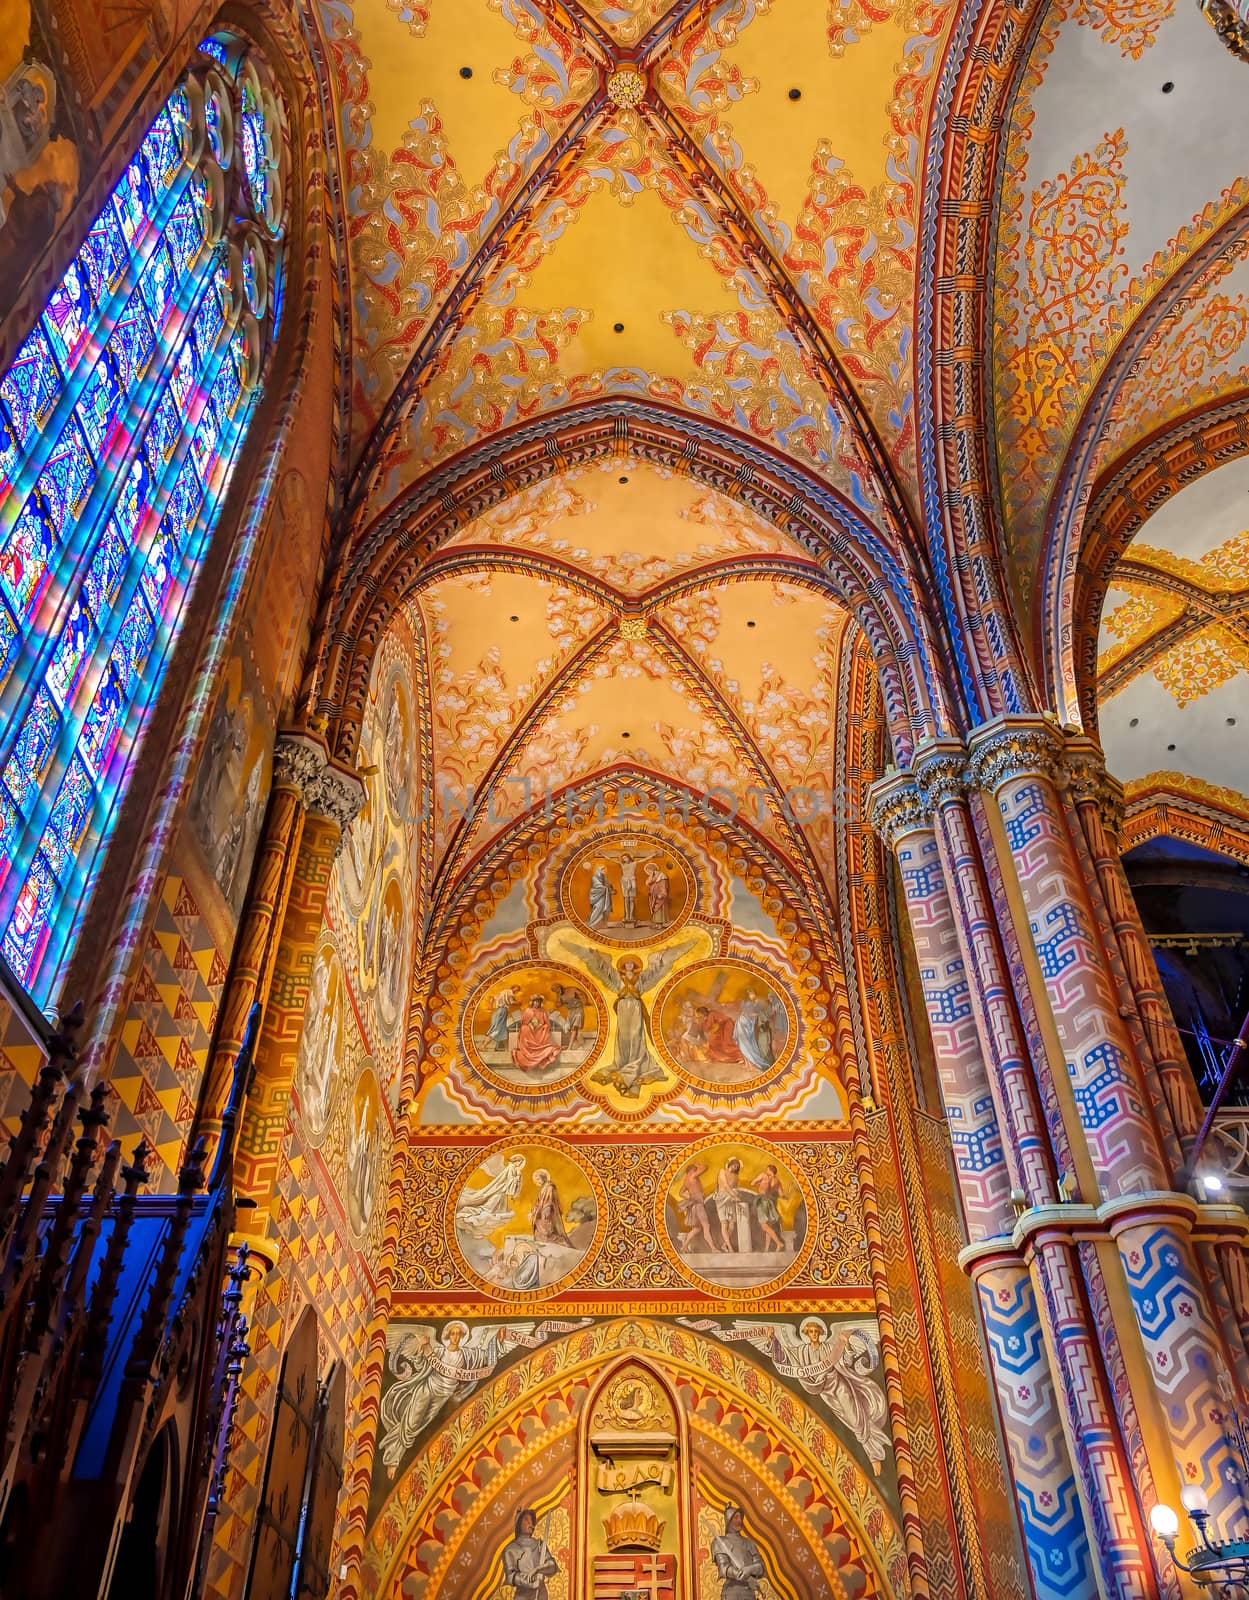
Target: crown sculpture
[(632, 1525)]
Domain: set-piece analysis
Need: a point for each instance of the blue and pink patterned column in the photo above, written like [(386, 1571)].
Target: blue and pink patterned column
[(1050, 1511), (1166, 1329)]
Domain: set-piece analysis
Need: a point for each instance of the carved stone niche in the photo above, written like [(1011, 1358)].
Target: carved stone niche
[(634, 1497)]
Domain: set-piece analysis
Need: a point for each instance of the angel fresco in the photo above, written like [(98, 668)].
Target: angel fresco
[(836, 1366), (433, 1371), (633, 1063)]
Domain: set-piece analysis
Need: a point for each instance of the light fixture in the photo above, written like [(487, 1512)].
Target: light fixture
[(1212, 1564)]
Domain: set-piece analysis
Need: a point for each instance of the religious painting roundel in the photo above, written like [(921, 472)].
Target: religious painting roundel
[(364, 1136), (396, 736), (725, 1023), (733, 1216), (532, 1025), (526, 1220), (628, 889), (321, 1042)]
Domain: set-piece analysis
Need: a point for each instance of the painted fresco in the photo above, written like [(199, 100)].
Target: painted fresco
[(782, 1214), (227, 805), (526, 1218), (40, 142), (734, 1215), (604, 992), (639, 1436)]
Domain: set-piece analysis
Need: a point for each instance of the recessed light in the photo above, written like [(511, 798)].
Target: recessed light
[(623, 480), (513, 618), (1167, 87), (750, 624), (618, 327), (1170, 747), (624, 735), (1231, 722), (466, 72), (795, 94), (1135, 722)]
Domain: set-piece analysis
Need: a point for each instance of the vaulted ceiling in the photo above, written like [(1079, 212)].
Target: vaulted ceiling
[(624, 617), (720, 208), (740, 241)]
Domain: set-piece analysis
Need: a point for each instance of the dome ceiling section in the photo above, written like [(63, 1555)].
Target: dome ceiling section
[(511, 220), (1124, 161), (1173, 663)]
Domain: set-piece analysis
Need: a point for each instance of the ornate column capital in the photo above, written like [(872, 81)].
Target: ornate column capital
[(299, 758), (895, 808), (336, 794), (1088, 782), (301, 761), (941, 771), (1015, 747)]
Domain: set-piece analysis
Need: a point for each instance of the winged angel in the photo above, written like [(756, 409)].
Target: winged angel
[(633, 1063), (835, 1367), (433, 1370)]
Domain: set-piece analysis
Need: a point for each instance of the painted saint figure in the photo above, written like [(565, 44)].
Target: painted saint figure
[(478, 1212), (768, 1191), (546, 1217), (837, 1367), (527, 1562), (537, 1043), (602, 896), (693, 1203), (734, 1208), (633, 1064), (737, 1558), (500, 1019)]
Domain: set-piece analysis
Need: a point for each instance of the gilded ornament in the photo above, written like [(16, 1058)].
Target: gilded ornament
[(896, 808), (1008, 752), (626, 88), (942, 776), (1231, 23)]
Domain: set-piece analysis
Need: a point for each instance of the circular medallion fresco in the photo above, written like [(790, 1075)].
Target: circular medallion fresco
[(726, 1024), (321, 1042), (527, 1219), (396, 740), (732, 1215), (389, 963), (364, 1131), (533, 1024), (628, 889)]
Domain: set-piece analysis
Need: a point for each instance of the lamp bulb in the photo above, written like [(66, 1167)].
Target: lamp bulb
[(1194, 1499), (1164, 1522)]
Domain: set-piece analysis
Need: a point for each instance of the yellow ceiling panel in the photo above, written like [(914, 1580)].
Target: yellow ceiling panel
[(844, 99), (628, 264), (478, 115)]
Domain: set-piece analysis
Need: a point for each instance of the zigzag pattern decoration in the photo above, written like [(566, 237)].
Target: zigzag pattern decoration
[(1049, 1503)]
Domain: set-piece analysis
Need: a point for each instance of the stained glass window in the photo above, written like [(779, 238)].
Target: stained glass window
[(122, 416)]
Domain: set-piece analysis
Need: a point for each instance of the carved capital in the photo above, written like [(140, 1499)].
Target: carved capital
[(298, 761), (335, 794), (1231, 22), (1015, 748), (1088, 783), (896, 808), (941, 771)]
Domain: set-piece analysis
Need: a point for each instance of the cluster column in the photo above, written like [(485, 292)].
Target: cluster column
[(989, 1173), (1135, 1294), (312, 803)]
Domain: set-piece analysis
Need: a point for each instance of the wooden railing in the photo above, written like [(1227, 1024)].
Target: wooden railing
[(121, 1343)]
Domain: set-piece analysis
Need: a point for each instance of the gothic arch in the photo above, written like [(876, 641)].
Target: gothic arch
[(430, 1536), (1123, 498), (881, 586)]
